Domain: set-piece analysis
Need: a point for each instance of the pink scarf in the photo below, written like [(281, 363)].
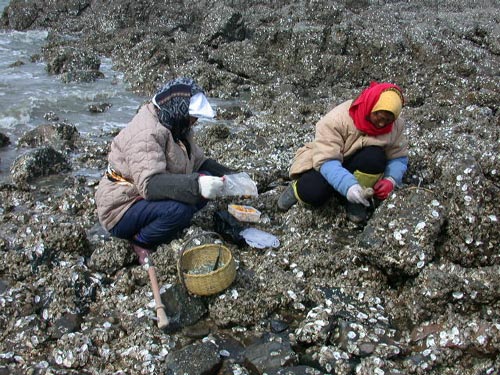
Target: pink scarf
[(362, 106)]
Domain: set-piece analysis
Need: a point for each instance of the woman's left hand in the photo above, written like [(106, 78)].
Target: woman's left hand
[(383, 188)]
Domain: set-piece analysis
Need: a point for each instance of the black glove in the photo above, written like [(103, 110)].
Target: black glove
[(229, 228), (215, 169)]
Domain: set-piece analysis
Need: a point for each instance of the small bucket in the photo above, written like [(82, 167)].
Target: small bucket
[(206, 269)]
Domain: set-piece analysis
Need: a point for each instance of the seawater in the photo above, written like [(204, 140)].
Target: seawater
[(28, 92)]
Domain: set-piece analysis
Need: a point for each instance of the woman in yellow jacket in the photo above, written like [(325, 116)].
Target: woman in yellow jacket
[(358, 144)]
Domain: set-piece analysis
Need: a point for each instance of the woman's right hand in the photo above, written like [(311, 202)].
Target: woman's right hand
[(210, 186), (355, 194)]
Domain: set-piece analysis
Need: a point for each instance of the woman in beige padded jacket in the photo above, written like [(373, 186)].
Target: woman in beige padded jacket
[(157, 176), (358, 145)]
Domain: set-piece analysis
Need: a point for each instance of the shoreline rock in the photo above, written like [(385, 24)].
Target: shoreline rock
[(413, 292)]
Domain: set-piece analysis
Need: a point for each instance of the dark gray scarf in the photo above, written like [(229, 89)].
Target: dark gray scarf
[(172, 101)]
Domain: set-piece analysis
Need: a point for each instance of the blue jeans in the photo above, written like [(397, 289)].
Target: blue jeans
[(152, 223)]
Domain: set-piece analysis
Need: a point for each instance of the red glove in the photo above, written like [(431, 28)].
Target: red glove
[(383, 188)]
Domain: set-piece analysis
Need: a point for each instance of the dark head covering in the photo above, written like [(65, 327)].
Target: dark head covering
[(172, 101)]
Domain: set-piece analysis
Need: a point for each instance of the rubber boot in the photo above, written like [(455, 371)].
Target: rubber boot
[(142, 253), (366, 180), (356, 213), (288, 198)]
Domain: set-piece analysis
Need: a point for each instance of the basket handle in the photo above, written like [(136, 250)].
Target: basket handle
[(199, 235), (180, 271)]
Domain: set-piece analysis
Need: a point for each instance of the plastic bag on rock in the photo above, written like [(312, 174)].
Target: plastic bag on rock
[(229, 228), (239, 184)]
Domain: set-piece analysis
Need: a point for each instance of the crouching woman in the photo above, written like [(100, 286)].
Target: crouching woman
[(158, 177), (359, 144)]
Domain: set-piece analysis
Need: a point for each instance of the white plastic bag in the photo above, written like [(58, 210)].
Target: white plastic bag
[(259, 239), (239, 184)]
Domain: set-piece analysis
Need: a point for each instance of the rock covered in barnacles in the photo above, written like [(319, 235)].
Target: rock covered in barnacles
[(332, 360), (46, 237), (73, 65), (66, 237), (463, 173), (42, 161), (250, 310), (474, 335), (223, 24), (61, 136), (73, 350), (99, 107), (258, 287), (445, 62), (378, 366), (111, 256), (401, 236), (67, 288), (473, 213), (445, 286), (294, 370), (316, 326), (435, 344), (363, 340), (76, 200), (350, 326)]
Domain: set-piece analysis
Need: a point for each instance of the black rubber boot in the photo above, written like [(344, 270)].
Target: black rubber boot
[(356, 213), (287, 199)]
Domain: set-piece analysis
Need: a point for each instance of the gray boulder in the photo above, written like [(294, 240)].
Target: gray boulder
[(38, 162), (4, 140), (400, 238), (60, 136), (197, 358)]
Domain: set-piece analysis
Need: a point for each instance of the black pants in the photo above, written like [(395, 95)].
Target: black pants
[(315, 190)]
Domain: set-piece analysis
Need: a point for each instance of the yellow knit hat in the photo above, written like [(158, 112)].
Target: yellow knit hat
[(390, 100)]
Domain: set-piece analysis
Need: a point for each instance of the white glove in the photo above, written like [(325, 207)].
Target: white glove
[(210, 186), (355, 195)]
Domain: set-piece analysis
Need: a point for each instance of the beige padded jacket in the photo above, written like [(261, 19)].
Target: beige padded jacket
[(142, 149), (337, 138)]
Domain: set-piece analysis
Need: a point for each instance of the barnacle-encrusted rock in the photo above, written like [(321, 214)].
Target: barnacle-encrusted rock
[(400, 238), (442, 287), (73, 64), (414, 292), (111, 256), (473, 210), (73, 351), (60, 136), (38, 162)]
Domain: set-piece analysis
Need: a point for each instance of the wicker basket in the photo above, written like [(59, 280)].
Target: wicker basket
[(207, 256)]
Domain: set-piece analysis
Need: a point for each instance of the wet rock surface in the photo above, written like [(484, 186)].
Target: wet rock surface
[(61, 136), (416, 291), (39, 162), (4, 140)]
